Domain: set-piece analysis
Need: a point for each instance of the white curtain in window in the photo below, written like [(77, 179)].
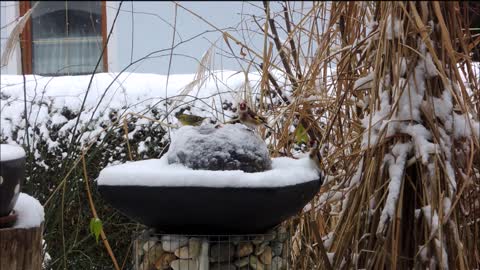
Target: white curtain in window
[(66, 37), (76, 55)]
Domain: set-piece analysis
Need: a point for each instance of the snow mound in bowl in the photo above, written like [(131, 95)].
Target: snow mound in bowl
[(229, 147)]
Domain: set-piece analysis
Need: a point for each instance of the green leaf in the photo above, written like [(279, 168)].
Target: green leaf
[(96, 227), (301, 134)]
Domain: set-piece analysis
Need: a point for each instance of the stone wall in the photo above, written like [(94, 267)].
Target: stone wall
[(182, 252)]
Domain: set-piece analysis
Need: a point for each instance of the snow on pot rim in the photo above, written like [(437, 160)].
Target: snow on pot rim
[(11, 152), (157, 173)]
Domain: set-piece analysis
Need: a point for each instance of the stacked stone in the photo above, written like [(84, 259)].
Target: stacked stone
[(173, 252)]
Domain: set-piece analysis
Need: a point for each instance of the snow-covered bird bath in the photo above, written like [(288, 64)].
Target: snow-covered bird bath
[(213, 180)]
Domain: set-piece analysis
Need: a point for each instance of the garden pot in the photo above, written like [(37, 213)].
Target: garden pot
[(12, 173), (176, 199), (210, 210)]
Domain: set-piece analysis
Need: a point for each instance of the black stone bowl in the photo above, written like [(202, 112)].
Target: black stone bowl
[(12, 173), (208, 210)]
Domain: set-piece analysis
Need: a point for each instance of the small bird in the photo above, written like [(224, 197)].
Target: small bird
[(249, 117), (314, 155), (189, 119)]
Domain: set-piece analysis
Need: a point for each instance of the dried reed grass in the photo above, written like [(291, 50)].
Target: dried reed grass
[(398, 118)]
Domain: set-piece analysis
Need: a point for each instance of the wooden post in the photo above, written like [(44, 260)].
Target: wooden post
[(21, 248)]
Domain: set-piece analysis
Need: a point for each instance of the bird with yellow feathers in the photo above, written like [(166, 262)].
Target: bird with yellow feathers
[(189, 119), (249, 118)]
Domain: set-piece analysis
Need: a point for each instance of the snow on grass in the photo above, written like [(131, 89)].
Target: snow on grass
[(328, 240), (364, 83), (465, 127), (395, 170), (410, 93), (11, 152), (394, 28), (30, 212), (331, 196), (430, 68), (452, 183), (378, 122), (447, 205), (460, 125), (421, 138), (157, 172)]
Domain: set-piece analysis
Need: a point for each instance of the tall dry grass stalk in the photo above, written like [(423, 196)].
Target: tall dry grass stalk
[(390, 91), (14, 36)]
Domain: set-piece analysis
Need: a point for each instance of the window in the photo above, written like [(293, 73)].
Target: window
[(64, 37)]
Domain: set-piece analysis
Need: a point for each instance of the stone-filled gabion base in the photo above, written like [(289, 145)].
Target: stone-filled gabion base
[(268, 251)]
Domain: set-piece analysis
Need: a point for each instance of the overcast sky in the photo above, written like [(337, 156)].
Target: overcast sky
[(152, 32)]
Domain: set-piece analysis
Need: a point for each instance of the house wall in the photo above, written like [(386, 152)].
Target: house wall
[(112, 47), (9, 12)]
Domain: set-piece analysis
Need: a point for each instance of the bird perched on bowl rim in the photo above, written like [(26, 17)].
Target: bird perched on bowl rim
[(249, 118), (189, 119)]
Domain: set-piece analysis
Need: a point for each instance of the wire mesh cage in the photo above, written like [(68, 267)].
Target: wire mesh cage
[(268, 251)]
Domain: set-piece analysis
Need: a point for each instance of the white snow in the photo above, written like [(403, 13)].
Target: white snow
[(447, 204), (444, 257), (421, 137), (328, 240), (395, 171), (430, 68), (394, 28), (465, 126), (129, 92), (30, 212), (424, 251), (207, 145), (11, 152), (331, 196), (431, 219), (452, 183), (378, 123), (331, 256), (157, 172), (46, 256), (364, 83), (403, 66)]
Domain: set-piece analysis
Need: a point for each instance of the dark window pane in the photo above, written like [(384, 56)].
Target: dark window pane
[(66, 37)]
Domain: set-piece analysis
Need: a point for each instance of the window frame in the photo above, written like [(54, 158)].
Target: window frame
[(26, 38)]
